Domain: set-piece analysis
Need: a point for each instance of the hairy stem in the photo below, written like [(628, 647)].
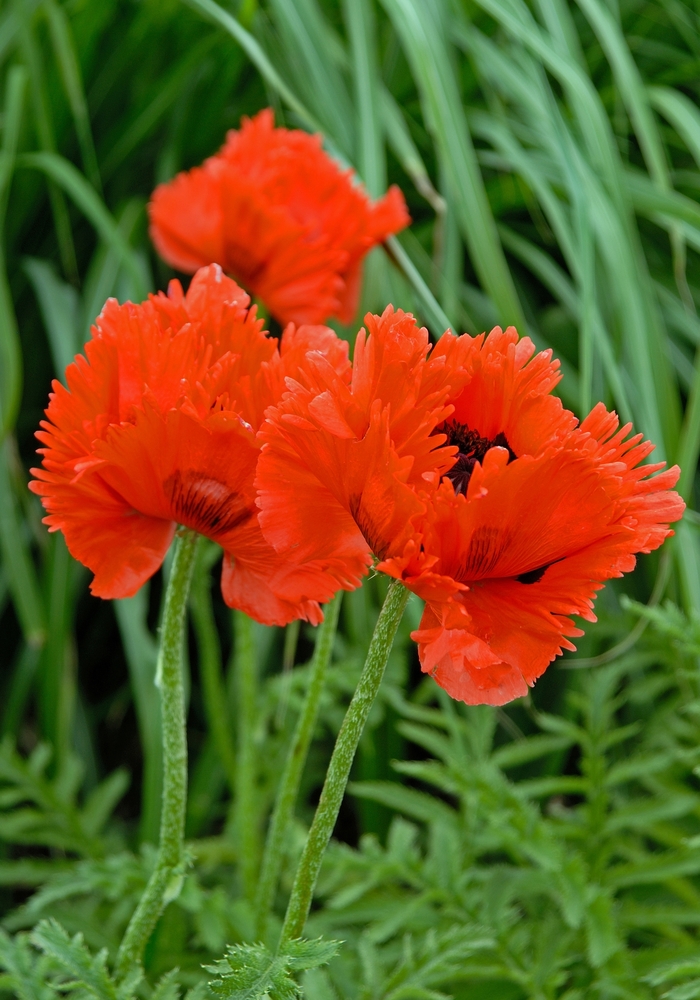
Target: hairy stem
[(296, 758), (164, 884), (341, 761)]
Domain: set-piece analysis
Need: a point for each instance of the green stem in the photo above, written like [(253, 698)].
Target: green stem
[(296, 758), (341, 761), (215, 698), (164, 884), (246, 808)]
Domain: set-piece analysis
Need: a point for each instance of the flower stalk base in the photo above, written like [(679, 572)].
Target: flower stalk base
[(166, 879), (341, 761)]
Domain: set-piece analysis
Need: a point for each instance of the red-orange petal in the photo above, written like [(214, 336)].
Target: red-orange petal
[(186, 220), (122, 547), (278, 213)]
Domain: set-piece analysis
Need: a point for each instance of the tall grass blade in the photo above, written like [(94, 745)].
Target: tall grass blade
[(44, 127), (57, 667), (63, 173), (306, 45), (67, 59), (10, 351), (60, 310), (682, 114), (434, 315), (141, 655), (362, 31), (406, 151), (16, 557), (418, 25), (252, 48)]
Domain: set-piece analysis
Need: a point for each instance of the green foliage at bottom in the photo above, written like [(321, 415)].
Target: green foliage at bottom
[(549, 152), (527, 855)]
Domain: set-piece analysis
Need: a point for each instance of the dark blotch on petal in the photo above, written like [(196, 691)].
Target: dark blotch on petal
[(533, 575), (204, 504)]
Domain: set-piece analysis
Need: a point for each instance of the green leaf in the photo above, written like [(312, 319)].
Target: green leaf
[(418, 805), (252, 972), (688, 991), (167, 987), (531, 748), (26, 972), (102, 801), (60, 311), (85, 970), (302, 954), (603, 939)]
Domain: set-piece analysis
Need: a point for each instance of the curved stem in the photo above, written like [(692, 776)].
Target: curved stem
[(164, 884), (341, 761), (296, 758)]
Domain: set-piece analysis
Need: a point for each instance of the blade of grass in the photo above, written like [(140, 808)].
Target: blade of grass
[(362, 29), (434, 316), (16, 557), (103, 273), (44, 128), (88, 201), (406, 151), (60, 310), (139, 128), (10, 350), (210, 667), (553, 278), (631, 86), (141, 654), (66, 57), (57, 666), (306, 46), (448, 256), (246, 812), (370, 153), (418, 26), (213, 12), (680, 111), (16, 695), (604, 190)]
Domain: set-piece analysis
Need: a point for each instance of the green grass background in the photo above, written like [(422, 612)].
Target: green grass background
[(550, 155)]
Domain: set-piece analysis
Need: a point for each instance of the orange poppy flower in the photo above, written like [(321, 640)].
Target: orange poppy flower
[(472, 484), (158, 427), (280, 216)]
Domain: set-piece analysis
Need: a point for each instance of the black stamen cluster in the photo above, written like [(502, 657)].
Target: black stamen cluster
[(472, 448)]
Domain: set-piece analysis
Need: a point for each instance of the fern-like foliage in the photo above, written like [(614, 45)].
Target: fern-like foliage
[(252, 972), (41, 811)]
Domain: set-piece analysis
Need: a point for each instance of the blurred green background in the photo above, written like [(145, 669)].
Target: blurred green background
[(550, 155)]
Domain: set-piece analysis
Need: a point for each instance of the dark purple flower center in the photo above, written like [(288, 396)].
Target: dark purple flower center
[(472, 448)]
